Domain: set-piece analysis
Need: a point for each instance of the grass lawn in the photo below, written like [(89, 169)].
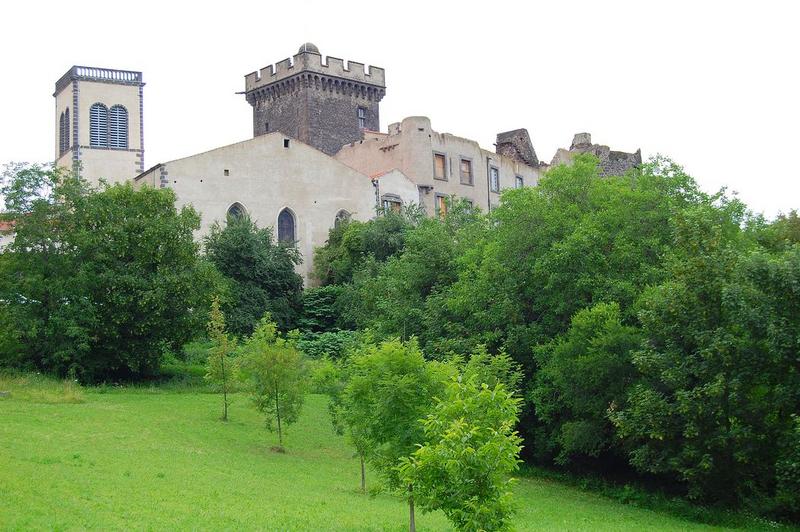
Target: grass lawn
[(147, 459)]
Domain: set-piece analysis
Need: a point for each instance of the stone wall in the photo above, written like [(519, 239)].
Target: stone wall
[(611, 162)]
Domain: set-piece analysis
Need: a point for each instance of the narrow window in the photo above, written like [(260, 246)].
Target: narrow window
[(520, 182), (236, 211), (266, 127), (441, 206), (285, 143), (466, 172), (61, 134), (286, 229), (98, 126), (439, 166), (67, 142), (342, 217), (392, 204), (118, 128), (362, 117), (226, 172), (494, 179)]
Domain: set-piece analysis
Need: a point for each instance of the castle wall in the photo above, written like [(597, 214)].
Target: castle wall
[(410, 147), (264, 177)]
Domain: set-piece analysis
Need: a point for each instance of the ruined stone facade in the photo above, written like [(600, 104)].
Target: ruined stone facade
[(318, 101), (611, 162)]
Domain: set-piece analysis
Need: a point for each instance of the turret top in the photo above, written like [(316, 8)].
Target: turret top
[(308, 47)]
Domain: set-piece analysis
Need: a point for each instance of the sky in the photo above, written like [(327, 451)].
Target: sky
[(713, 85)]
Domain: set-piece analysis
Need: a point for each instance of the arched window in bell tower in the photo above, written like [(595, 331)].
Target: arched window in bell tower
[(118, 127), (286, 227), (98, 126)]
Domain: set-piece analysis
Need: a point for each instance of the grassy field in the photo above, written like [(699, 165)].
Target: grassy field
[(137, 458)]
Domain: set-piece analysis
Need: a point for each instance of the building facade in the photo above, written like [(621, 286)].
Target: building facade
[(317, 156)]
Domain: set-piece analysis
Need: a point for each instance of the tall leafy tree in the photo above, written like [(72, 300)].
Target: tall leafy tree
[(103, 280), (471, 447), (388, 392), (261, 273), (276, 375)]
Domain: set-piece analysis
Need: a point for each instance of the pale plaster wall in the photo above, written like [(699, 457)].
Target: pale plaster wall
[(264, 177), (63, 102), (410, 147), (396, 183)]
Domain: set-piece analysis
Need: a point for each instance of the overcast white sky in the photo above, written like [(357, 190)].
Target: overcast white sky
[(714, 85)]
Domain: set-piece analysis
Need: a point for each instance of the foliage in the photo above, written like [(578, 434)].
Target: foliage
[(470, 449), (103, 280), (489, 369), (320, 311), (220, 367), (719, 369), (581, 375), (334, 345), (261, 274), (387, 392), (275, 373), (352, 244)]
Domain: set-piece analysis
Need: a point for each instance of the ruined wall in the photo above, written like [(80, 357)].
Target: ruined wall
[(611, 162)]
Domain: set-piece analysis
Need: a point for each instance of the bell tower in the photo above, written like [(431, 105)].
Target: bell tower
[(316, 100), (99, 128)]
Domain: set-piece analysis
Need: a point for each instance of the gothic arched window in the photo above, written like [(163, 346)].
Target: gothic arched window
[(118, 127), (341, 217), (236, 211), (98, 126), (286, 229)]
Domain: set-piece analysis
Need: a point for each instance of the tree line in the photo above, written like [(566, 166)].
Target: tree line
[(658, 326)]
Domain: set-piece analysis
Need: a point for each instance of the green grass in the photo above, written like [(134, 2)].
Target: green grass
[(142, 458)]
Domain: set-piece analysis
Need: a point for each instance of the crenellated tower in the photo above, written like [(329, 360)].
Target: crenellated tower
[(321, 102)]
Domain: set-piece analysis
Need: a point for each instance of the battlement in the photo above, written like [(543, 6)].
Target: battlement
[(309, 61), (103, 75)]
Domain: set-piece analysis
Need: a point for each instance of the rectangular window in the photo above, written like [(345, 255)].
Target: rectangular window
[(439, 166), (519, 182), (441, 205), (466, 172), (494, 179), (362, 118), (392, 204)]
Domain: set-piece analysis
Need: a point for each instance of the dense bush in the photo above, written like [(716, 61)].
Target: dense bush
[(100, 282)]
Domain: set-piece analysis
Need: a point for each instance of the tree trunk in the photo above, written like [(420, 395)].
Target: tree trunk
[(278, 415), (363, 475), (224, 392), (412, 526)]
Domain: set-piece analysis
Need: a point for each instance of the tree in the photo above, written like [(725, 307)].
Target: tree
[(261, 273), (719, 374), (582, 374), (388, 392), (470, 450), (219, 366), (275, 373), (103, 280)]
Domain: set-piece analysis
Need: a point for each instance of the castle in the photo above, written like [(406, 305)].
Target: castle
[(317, 155)]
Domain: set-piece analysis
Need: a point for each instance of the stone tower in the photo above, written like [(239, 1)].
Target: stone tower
[(99, 126), (320, 102)]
